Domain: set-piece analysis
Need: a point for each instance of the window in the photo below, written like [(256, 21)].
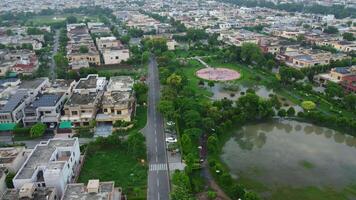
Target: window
[(118, 112), (74, 112), (105, 110), (43, 184)]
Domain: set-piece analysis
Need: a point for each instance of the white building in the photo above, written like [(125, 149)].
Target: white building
[(91, 84), (115, 55), (51, 164)]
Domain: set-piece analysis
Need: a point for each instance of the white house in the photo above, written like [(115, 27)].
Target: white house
[(51, 164)]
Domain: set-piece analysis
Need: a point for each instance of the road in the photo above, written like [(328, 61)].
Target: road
[(55, 50), (158, 176)]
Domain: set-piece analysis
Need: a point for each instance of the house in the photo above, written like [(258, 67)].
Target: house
[(92, 83), (12, 110), (81, 46), (335, 75), (26, 61), (115, 55), (107, 42), (112, 50), (31, 191), (12, 158), (94, 190), (171, 44), (6, 67), (46, 109), (53, 163), (349, 83)]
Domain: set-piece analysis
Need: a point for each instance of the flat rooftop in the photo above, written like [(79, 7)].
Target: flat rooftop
[(32, 84), (39, 194), (120, 83), (88, 83), (78, 191), (41, 156), (117, 98), (82, 99), (7, 155)]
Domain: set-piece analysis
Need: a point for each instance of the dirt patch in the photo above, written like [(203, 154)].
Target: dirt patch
[(218, 74)]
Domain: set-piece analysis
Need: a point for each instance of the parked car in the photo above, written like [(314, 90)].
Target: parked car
[(171, 140)]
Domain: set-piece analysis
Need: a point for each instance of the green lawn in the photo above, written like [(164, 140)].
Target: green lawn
[(44, 20), (115, 164)]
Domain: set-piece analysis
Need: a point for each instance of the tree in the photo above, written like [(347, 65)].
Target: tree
[(72, 19), (251, 196), (211, 83), (251, 53), (291, 111), (34, 31), (145, 57), (350, 102), (167, 109), (211, 195), (213, 144), (331, 30), (308, 105), (83, 49), (186, 143), (334, 90), (174, 80), (136, 144), (37, 130), (9, 32), (8, 180), (191, 118), (282, 113), (348, 36), (270, 64), (289, 74), (141, 90)]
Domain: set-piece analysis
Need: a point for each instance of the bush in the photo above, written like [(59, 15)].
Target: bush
[(37, 130), (290, 111), (211, 195), (308, 105), (282, 113)]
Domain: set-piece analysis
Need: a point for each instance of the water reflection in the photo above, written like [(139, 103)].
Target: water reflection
[(280, 149)]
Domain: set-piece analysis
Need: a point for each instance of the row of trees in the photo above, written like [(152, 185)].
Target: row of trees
[(339, 11)]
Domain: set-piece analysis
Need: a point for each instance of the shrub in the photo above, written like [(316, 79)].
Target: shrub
[(308, 105), (37, 130)]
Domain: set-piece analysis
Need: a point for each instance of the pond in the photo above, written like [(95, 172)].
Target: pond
[(286, 159)]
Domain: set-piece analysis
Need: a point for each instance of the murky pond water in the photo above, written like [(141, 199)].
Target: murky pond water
[(292, 154)]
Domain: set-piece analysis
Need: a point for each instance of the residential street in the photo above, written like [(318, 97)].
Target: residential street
[(158, 176), (55, 49)]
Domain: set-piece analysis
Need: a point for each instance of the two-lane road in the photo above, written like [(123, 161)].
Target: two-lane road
[(158, 176)]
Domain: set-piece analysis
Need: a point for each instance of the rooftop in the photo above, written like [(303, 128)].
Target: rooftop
[(32, 84), (78, 191), (117, 98), (82, 99), (14, 101), (120, 83), (39, 194), (46, 100), (41, 155)]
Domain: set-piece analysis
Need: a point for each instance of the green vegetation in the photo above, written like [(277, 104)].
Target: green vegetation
[(37, 130), (306, 164), (110, 159)]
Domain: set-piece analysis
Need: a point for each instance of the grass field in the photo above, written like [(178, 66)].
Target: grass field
[(114, 163), (49, 19)]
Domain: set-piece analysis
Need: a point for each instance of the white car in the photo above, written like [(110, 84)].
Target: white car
[(52, 126), (171, 140)]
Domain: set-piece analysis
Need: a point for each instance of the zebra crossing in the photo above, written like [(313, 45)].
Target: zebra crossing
[(158, 167)]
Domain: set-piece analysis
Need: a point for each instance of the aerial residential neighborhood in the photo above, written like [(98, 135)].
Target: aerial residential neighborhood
[(177, 100)]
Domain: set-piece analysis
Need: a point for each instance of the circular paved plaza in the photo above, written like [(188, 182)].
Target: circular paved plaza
[(218, 74)]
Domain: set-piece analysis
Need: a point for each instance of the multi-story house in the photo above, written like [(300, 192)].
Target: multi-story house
[(46, 109), (51, 164)]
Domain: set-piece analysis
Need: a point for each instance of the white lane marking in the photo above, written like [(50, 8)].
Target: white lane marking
[(158, 167), (159, 196), (157, 182)]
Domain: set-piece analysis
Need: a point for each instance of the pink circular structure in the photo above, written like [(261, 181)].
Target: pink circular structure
[(218, 74)]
